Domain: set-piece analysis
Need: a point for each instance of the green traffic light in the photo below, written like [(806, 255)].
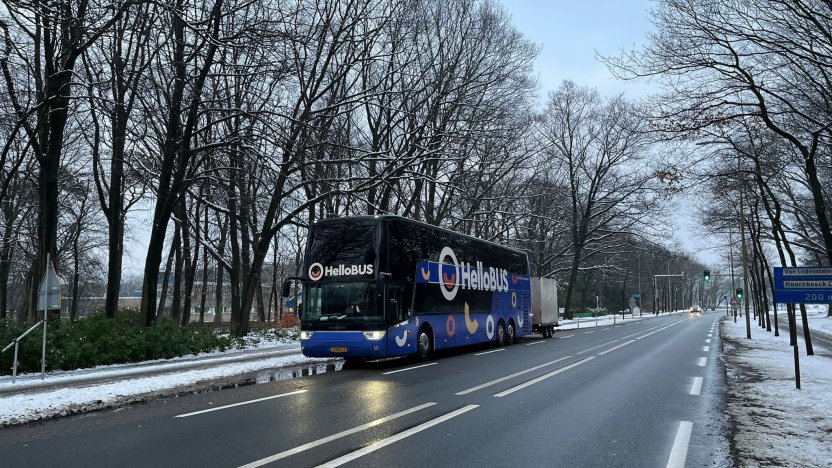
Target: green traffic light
[(707, 276), (739, 293)]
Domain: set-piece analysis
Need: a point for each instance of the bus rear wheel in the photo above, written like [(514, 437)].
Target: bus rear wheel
[(510, 333), (501, 334), (424, 345)]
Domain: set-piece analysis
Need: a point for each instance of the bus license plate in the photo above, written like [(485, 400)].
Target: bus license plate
[(338, 349)]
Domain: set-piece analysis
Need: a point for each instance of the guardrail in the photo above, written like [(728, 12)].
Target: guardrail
[(16, 344)]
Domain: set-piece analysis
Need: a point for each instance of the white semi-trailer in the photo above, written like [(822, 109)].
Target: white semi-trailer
[(544, 305)]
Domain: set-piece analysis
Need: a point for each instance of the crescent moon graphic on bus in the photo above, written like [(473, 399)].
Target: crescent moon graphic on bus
[(425, 274), (401, 341), (471, 325), (520, 320)]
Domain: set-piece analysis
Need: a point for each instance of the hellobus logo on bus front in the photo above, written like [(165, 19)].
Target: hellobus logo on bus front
[(318, 271), (454, 275)]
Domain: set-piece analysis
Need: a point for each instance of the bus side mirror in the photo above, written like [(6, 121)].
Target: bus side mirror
[(285, 288)]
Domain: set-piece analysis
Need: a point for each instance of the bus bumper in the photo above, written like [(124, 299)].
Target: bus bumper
[(343, 344)]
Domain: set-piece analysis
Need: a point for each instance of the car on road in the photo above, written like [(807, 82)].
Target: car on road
[(696, 309)]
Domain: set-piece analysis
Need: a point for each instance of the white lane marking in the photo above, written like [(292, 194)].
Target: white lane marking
[(645, 336), (604, 329), (679, 452), (708, 340), (316, 443), (395, 438), (599, 346), (489, 352), (616, 347), (408, 368), (543, 377), (706, 348), (516, 374), (239, 404), (534, 343), (567, 336), (587, 333), (696, 387), (703, 361)]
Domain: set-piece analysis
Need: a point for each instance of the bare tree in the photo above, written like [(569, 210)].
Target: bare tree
[(50, 38), (598, 148), (724, 60)]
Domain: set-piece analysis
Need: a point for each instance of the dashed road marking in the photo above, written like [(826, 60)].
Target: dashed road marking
[(408, 368), (489, 352), (239, 404), (696, 388), (316, 443), (679, 452), (397, 437), (542, 377), (516, 374)]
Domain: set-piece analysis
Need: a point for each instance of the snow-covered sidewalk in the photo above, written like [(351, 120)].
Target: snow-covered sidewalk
[(776, 424)]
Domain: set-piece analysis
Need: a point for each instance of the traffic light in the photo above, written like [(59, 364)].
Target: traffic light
[(707, 276), (739, 294)]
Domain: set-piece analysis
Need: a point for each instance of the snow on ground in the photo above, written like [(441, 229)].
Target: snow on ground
[(776, 424), (66, 393)]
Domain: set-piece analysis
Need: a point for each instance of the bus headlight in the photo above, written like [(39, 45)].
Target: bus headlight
[(374, 335), (305, 335)]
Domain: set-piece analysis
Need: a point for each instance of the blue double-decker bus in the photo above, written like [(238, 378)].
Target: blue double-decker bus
[(388, 286)]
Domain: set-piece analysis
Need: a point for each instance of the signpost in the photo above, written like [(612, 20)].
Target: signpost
[(803, 285), (49, 298)]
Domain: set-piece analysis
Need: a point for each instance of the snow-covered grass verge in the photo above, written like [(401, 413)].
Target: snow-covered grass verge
[(35, 405), (125, 383), (776, 424)]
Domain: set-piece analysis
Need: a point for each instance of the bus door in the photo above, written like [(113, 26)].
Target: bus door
[(401, 336)]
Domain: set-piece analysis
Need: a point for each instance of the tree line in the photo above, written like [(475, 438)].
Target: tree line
[(237, 124)]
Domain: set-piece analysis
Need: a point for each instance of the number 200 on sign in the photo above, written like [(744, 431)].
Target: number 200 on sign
[(818, 297)]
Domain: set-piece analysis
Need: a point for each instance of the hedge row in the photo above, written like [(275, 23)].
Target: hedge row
[(97, 340)]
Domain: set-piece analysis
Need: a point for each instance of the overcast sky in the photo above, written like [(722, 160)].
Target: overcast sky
[(570, 32)]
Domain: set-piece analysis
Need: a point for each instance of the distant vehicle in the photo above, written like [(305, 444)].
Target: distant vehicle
[(388, 286), (695, 309), (544, 305)]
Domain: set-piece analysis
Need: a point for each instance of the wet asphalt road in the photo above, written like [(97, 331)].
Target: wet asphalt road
[(647, 393)]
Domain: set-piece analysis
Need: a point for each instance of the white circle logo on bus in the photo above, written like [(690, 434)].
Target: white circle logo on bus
[(316, 271), (489, 327), (448, 283)]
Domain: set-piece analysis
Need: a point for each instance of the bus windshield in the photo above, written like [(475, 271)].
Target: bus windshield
[(342, 302)]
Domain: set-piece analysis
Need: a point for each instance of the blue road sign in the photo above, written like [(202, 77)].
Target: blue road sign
[(803, 285)]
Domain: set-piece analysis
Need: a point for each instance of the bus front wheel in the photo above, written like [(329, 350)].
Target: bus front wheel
[(424, 345)]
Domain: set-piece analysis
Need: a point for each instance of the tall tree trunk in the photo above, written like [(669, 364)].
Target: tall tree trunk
[(6, 252), (76, 273), (178, 268), (188, 265), (166, 279), (220, 271)]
